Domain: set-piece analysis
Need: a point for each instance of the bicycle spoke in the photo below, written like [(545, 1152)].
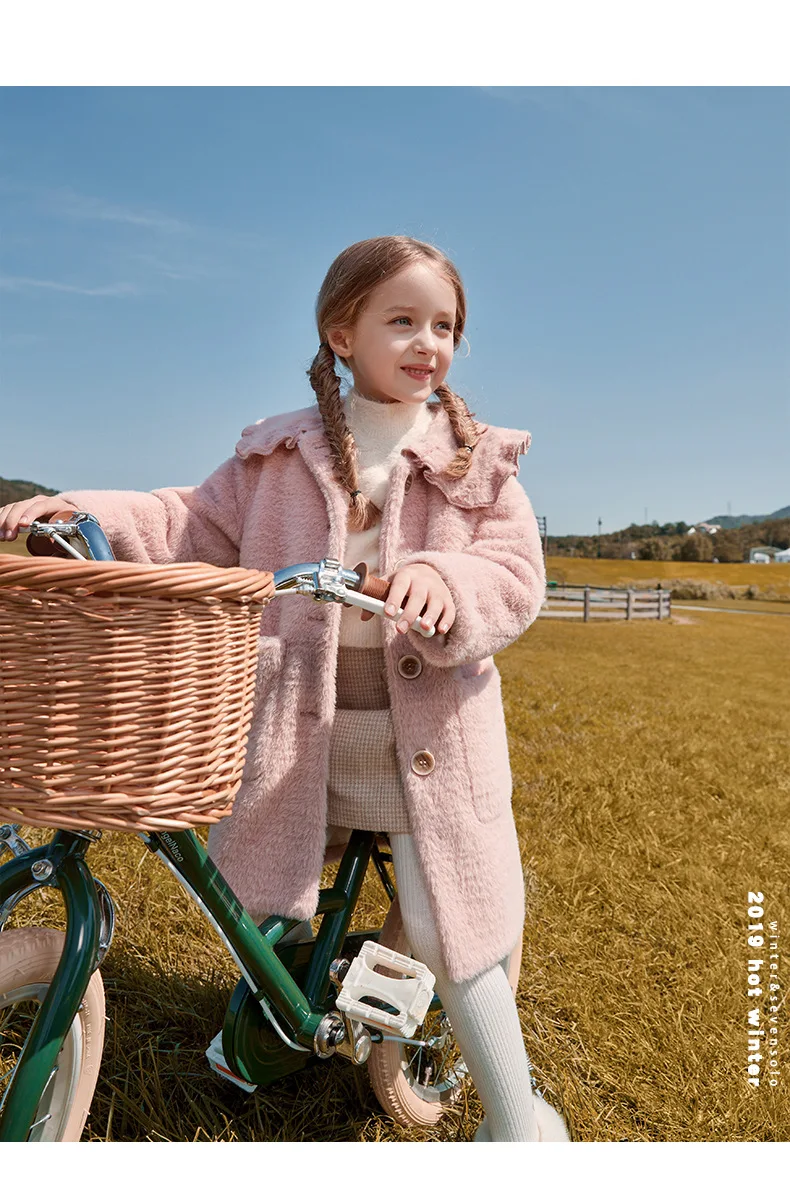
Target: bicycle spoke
[(11, 1011), (431, 1065), (444, 1057), (45, 1092), (410, 1062)]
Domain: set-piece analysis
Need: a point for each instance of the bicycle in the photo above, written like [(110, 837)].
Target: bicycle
[(356, 993)]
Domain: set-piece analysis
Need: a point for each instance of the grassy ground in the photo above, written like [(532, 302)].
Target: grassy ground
[(652, 789), (769, 581), (651, 793)]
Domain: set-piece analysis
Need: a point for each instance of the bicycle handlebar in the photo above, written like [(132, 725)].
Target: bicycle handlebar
[(88, 540), (82, 537)]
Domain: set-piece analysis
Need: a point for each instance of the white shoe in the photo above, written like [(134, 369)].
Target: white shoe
[(551, 1125), (217, 1063)]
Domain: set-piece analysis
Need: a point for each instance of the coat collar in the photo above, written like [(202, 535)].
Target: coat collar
[(495, 456)]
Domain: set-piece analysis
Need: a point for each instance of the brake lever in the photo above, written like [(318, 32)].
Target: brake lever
[(327, 583), (91, 542), (54, 537)]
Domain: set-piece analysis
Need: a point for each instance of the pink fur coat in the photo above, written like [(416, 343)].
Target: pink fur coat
[(276, 503)]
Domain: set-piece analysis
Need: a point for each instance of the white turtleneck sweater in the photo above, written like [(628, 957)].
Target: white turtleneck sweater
[(381, 430)]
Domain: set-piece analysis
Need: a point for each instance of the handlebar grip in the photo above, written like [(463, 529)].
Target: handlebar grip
[(377, 588)]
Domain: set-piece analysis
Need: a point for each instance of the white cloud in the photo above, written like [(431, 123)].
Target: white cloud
[(67, 203), (149, 245), (21, 283)]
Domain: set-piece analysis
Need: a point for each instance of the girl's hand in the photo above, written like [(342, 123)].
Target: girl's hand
[(420, 590), (24, 512)]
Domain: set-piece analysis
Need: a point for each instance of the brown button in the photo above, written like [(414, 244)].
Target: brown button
[(409, 667), (423, 762)]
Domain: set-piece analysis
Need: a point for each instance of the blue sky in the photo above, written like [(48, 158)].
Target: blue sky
[(625, 254)]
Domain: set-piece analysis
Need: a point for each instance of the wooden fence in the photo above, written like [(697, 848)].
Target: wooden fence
[(589, 603)]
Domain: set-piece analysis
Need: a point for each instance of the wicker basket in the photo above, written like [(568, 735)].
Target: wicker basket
[(126, 691)]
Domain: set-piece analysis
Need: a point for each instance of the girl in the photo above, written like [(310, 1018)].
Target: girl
[(359, 722)]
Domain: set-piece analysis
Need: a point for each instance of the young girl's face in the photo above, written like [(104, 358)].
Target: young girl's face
[(407, 322)]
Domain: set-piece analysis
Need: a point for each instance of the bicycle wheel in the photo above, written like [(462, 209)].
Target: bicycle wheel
[(414, 1085), (28, 959)]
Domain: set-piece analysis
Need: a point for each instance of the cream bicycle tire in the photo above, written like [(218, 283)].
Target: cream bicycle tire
[(28, 960)]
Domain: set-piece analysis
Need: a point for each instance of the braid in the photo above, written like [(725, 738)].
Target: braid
[(363, 513), (464, 429)]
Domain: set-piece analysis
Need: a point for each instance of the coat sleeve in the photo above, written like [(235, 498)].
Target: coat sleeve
[(498, 583), (198, 524)]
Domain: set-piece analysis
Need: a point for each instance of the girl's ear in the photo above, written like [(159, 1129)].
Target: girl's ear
[(340, 341)]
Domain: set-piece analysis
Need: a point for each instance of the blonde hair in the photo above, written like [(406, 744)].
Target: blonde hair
[(348, 284)]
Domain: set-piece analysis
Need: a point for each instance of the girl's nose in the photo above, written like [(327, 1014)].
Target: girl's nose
[(423, 344)]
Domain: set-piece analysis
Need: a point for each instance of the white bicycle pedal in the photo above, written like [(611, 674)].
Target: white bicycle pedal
[(217, 1063), (410, 998)]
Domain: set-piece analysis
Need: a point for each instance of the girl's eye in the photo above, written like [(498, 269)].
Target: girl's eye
[(447, 325)]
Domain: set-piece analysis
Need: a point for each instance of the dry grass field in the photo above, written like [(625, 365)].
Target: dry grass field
[(771, 581), (651, 792)]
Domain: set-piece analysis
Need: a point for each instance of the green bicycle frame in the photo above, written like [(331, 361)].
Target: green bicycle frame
[(251, 947)]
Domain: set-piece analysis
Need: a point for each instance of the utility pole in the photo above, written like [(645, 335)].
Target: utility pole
[(543, 536), (599, 537)]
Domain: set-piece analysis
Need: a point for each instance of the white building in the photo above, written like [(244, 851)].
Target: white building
[(763, 553), (704, 527)]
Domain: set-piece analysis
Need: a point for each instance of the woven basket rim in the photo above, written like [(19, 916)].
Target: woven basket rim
[(171, 580)]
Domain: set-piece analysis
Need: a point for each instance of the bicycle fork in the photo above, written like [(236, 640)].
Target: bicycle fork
[(61, 865)]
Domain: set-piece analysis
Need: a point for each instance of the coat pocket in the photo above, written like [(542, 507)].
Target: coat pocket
[(266, 702), (271, 654), (484, 735)]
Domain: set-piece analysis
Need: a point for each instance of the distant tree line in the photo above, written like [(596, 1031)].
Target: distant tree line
[(673, 542), (11, 490)]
